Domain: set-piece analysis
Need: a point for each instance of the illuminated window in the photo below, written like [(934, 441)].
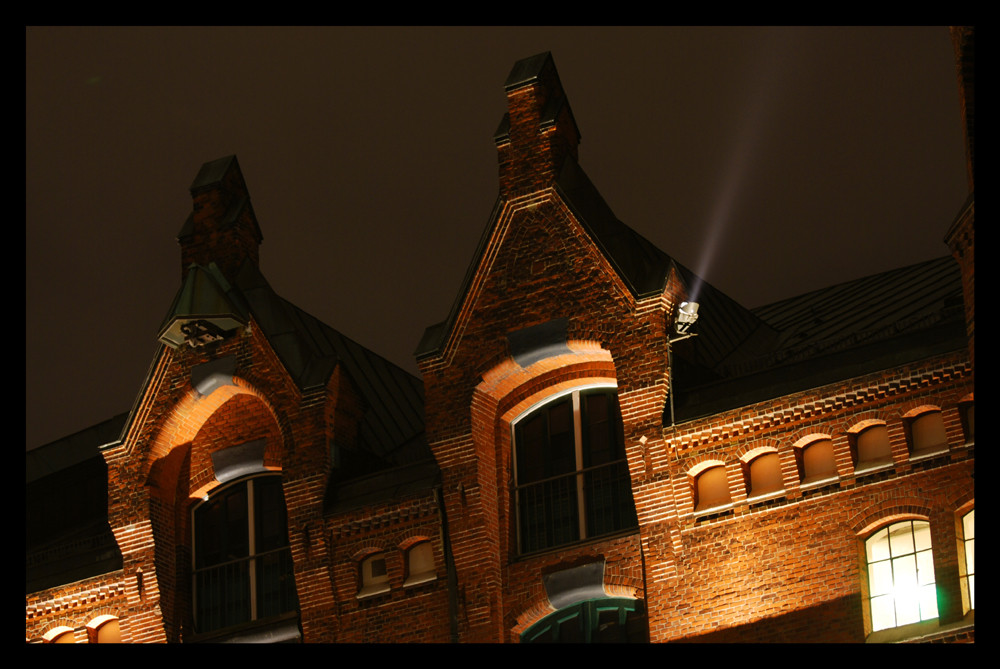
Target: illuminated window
[(763, 475), (59, 635), (816, 461), (242, 562), (870, 447), (927, 433), (104, 629), (572, 480), (420, 564), (374, 576), (967, 545), (711, 489), (901, 586)]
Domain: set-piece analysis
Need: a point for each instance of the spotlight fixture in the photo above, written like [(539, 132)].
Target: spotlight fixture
[(687, 314)]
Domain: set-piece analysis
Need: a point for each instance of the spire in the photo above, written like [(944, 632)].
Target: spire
[(222, 227), (538, 131)]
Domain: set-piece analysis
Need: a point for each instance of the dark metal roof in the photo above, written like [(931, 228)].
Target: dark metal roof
[(311, 350), (854, 328), (74, 449)]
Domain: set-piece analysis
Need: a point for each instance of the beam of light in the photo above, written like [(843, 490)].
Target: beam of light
[(760, 102)]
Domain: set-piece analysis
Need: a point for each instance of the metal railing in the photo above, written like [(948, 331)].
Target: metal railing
[(583, 504)]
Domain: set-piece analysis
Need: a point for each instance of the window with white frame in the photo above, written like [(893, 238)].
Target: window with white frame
[(900, 568), (967, 546), (374, 575), (242, 561), (571, 476)]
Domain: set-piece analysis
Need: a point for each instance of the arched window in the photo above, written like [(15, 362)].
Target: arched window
[(711, 489), (420, 564), (374, 576), (927, 433), (59, 635), (967, 560), (243, 568), (104, 629), (870, 447), (572, 480), (900, 568), (763, 475), (816, 461), (609, 620)]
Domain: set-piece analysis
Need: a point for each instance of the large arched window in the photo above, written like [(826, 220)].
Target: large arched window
[(901, 583), (242, 561), (610, 620), (572, 480)]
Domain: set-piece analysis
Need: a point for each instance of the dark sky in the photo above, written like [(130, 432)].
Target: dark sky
[(773, 161)]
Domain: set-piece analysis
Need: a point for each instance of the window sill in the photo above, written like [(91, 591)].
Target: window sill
[(712, 510), (418, 579), (818, 482), (926, 454), (866, 468), (916, 631), (756, 499), (373, 590)]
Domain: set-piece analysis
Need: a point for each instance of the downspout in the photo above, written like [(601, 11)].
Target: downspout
[(449, 564)]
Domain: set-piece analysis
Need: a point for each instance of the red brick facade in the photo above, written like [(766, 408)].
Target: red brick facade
[(788, 566)]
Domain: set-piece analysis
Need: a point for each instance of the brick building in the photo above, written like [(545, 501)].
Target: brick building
[(578, 462)]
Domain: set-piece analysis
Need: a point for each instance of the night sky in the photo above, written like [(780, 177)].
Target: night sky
[(772, 161)]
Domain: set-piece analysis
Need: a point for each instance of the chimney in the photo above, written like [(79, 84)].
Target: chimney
[(222, 227), (538, 132)]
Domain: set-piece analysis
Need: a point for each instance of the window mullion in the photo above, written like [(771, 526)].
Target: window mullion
[(251, 564), (578, 446)]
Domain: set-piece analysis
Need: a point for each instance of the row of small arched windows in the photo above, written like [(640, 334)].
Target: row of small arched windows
[(815, 460), (102, 629), (374, 573)]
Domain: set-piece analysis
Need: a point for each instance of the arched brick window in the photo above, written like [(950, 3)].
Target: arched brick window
[(763, 475), (420, 564), (711, 488), (926, 433), (60, 635), (104, 629), (900, 575), (870, 447), (572, 480), (243, 568), (816, 461), (374, 575)]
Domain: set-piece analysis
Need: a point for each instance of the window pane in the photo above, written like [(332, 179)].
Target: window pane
[(878, 546), (883, 613), (925, 568), (969, 525), (880, 578), (928, 602), (901, 539)]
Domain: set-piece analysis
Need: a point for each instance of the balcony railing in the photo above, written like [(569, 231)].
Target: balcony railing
[(584, 504)]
